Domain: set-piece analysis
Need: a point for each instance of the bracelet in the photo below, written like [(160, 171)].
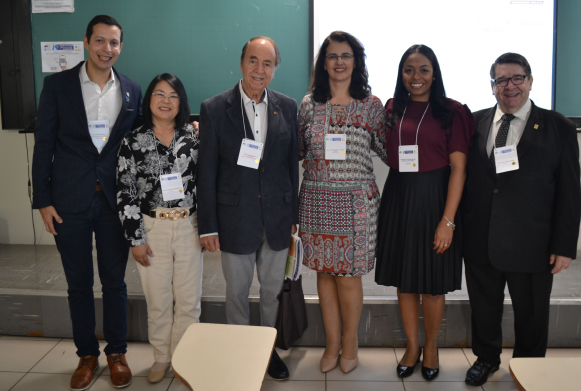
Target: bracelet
[(450, 224)]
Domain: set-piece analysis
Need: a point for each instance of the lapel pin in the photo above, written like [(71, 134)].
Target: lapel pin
[(127, 97), (276, 113), (536, 126)]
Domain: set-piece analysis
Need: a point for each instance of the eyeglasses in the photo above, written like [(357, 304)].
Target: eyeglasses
[(161, 96), (516, 80), (344, 57)]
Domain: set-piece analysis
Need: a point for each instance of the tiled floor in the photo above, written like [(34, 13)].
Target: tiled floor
[(40, 364)]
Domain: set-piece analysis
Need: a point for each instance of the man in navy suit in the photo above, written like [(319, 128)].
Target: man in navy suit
[(521, 212), (248, 185), (83, 114)]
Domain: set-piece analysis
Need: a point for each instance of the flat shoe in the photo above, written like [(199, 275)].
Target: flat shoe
[(120, 374), (157, 376), (478, 373), (277, 369), (348, 365)]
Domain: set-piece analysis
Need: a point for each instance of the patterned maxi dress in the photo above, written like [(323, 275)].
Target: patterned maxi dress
[(339, 200)]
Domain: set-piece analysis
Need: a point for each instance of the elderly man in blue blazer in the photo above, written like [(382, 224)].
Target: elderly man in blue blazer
[(521, 212), (248, 185), (83, 115)]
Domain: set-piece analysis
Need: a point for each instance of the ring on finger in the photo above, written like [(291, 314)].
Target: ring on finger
[(445, 244)]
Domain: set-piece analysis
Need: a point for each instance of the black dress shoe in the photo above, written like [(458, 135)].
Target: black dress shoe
[(430, 373), (403, 372), (478, 373), (277, 368)]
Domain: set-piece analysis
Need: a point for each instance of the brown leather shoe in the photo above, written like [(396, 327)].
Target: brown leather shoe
[(83, 375), (120, 372)]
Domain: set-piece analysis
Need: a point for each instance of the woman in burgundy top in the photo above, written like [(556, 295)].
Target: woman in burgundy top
[(419, 250)]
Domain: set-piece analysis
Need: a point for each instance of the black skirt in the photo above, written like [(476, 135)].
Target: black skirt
[(412, 206)]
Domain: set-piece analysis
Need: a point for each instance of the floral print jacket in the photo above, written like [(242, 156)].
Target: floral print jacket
[(142, 159)]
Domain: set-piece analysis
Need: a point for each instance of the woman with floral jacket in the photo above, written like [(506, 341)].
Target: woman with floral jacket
[(156, 200)]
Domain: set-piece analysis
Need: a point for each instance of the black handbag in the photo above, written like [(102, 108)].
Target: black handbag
[(292, 314)]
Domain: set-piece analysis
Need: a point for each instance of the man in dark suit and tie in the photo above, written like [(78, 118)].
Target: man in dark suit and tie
[(83, 114), (248, 185), (521, 213)]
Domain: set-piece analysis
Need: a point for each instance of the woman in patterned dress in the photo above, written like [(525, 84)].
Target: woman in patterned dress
[(159, 219), (418, 251), (340, 122)]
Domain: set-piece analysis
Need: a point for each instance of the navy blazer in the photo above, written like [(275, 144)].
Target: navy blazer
[(66, 164), (241, 203), (517, 219)]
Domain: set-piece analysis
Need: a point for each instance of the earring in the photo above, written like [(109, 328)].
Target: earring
[(433, 78)]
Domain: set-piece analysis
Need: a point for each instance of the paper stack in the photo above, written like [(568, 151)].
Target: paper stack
[(295, 258)]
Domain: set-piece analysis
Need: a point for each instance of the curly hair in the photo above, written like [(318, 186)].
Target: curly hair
[(440, 105), (359, 87)]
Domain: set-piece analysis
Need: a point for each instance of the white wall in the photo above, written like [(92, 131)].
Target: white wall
[(15, 216)]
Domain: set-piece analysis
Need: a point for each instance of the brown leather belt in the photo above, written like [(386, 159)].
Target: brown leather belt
[(99, 188)]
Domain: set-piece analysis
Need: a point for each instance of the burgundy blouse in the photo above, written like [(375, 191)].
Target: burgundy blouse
[(434, 143)]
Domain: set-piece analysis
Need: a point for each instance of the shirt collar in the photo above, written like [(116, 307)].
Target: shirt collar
[(247, 100), (85, 77), (521, 114)]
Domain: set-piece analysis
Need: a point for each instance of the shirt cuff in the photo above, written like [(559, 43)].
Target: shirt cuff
[(213, 233)]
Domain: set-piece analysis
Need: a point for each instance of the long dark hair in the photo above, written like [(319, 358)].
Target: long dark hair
[(359, 87), (440, 106), (183, 117)]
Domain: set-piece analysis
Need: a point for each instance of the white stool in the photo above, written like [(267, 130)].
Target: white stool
[(542, 374), (216, 357)]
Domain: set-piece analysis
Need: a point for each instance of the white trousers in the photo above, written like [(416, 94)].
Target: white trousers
[(173, 283)]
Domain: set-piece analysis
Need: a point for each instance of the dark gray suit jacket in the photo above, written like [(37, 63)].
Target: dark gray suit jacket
[(517, 219), (241, 203)]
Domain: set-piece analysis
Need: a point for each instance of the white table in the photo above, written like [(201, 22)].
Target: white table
[(216, 357), (543, 374)]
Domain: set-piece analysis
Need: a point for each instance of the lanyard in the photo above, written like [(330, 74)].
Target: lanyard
[(417, 130), (242, 111)]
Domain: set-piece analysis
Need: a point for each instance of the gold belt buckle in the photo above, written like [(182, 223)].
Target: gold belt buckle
[(162, 215), (174, 215), (184, 214)]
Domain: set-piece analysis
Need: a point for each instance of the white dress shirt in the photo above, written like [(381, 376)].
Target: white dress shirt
[(101, 104), (517, 126), (257, 115)]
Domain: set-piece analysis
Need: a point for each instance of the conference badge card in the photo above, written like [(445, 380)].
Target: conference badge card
[(408, 158), (335, 146), (172, 187), (250, 153), (506, 159)]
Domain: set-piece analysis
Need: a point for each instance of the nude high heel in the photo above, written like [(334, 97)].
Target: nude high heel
[(348, 365), (328, 364)]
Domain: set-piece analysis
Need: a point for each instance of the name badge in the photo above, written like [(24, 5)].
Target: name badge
[(99, 131), (250, 153), (506, 159), (335, 146), (172, 187), (409, 158)]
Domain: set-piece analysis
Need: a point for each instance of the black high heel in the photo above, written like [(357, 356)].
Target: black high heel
[(403, 372), (431, 373)]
